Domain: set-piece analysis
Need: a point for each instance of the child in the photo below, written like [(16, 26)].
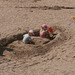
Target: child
[(51, 32), (44, 31), (27, 37)]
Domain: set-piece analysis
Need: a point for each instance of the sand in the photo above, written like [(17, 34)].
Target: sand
[(45, 57)]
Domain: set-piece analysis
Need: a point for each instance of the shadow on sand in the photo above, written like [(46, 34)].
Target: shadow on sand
[(2, 49)]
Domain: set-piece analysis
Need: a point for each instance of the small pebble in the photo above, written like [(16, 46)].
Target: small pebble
[(73, 56), (14, 53), (31, 10)]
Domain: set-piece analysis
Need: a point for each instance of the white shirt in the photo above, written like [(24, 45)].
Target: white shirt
[(26, 38)]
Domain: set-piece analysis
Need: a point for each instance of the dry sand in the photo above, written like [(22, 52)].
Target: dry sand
[(45, 57)]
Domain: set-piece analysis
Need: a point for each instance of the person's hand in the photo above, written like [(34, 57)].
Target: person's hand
[(32, 42)]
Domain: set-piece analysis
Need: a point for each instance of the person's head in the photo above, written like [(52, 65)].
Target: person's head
[(44, 27), (31, 32)]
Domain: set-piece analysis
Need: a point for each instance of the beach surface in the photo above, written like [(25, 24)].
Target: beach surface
[(45, 57)]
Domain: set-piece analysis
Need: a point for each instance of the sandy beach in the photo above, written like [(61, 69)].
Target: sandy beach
[(45, 57)]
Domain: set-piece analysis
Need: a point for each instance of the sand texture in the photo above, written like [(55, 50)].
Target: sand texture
[(44, 57)]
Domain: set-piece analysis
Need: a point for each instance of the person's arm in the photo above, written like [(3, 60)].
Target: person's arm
[(31, 41), (40, 31), (23, 35), (50, 34)]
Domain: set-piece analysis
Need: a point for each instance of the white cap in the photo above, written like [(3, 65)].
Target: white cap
[(31, 31)]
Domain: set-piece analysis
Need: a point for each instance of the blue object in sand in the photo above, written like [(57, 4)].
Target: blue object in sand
[(74, 19), (68, 24), (56, 33)]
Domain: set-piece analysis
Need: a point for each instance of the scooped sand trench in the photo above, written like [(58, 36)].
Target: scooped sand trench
[(26, 50), (21, 50)]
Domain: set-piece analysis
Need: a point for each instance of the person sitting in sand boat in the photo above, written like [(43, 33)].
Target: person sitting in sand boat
[(47, 32), (27, 37), (44, 31)]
